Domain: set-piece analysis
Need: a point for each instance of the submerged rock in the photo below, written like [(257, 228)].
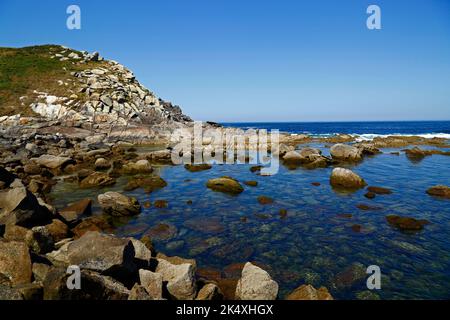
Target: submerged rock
[(308, 292), (152, 283), (97, 179), (379, 190), (75, 211), (149, 183), (161, 204), (350, 276), (117, 204), (345, 178), (251, 183), (265, 200), (439, 191), (406, 223), (256, 284), (209, 292), (197, 167), (225, 185), (162, 231)]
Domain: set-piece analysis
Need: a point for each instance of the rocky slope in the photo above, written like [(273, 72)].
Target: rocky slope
[(53, 86)]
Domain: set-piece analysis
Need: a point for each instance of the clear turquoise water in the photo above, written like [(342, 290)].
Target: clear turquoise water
[(312, 244)]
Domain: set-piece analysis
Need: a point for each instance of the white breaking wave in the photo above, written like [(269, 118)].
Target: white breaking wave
[(371, 136)]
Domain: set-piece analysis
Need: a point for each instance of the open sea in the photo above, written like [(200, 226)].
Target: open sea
[(316, 243), (366, 130)]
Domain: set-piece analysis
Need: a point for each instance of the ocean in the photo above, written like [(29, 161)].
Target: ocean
[(365, 130)]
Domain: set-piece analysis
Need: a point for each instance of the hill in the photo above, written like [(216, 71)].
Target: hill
[(76, 88)]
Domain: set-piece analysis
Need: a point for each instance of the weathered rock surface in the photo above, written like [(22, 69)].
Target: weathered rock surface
[(148, 183), (152, 283), (117, 204), (345, 178), (209, 291), (98, 252), (197, 167), (379, 190), (256, 284), (97, 179), (225, 185), (308, 292), (21, 207), (15, 262), (52, 162), (180, 279), (345, 152), (75, 211)]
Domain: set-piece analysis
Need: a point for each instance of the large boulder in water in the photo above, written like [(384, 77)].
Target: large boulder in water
[(345, 152), (117, 204), (256, 284), (345, 178), (226, 185)]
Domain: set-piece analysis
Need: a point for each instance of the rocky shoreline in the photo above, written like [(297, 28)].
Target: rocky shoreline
[(38, 242), (89, 136)]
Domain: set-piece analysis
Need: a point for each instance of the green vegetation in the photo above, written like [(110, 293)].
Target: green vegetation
[(27, 69)]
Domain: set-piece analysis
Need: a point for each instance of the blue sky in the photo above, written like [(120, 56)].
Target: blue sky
[(256, 60)]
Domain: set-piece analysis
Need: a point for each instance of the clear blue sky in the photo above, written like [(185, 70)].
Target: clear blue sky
[(256, 60)]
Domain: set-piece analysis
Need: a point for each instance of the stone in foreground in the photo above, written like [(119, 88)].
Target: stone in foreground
[(15, 262), (180, 279), (98, 252), (256, 284)]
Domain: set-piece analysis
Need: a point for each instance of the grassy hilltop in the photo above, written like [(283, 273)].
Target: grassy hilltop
[(23, 70)]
